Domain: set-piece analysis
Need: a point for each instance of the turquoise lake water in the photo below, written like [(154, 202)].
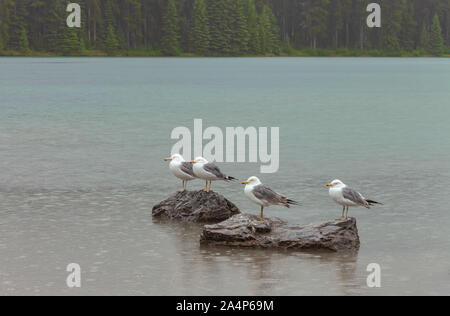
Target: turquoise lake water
[(81, 148)]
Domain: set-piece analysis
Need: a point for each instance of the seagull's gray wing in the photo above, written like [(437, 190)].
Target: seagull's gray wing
[(264, 193), (212, 168), (187, 168), (354, 196)]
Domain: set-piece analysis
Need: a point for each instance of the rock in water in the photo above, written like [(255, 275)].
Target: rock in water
[(251, 231), (199, 207)]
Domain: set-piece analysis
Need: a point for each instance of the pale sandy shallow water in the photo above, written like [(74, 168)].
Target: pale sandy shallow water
[(82, 142)]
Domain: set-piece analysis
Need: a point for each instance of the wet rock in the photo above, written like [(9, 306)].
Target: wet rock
[(198, 207), (251, 231)]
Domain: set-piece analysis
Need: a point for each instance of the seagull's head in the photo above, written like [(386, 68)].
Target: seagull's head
[(176, 158), (252, 181), (199, 160), (336, 184)]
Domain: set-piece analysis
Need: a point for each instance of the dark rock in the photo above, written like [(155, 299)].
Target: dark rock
[(199, 207), (251, 231)]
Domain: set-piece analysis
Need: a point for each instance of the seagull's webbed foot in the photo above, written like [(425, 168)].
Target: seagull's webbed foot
[(206, 187)]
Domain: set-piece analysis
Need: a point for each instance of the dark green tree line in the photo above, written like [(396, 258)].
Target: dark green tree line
[(223, 27)]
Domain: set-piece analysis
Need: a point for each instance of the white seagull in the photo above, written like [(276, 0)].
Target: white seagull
[(347, 197), (264, 196), (208, 171), (181, 169)]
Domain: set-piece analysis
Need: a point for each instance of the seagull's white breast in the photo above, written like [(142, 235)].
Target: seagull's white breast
[(249, 193), (337, 195), (175, 167)]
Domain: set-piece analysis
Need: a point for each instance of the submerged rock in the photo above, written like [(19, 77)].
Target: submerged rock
[(251, 231), (198, 206)]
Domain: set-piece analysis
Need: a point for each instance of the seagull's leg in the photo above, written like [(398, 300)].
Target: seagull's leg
[(206, 188), (262, 211), (346, 215), (210, 184), (185, 185), (343, 212)]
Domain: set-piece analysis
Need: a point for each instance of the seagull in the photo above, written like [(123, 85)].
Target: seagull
[(208, 171), (181, 169), (264, 196), (348, 197)]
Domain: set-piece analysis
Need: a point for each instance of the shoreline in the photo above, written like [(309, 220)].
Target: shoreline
[(299, 53)]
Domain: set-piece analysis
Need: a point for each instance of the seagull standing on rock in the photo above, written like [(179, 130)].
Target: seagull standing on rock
[(264, 196), (181, 169), (347, 197), (203, 169)]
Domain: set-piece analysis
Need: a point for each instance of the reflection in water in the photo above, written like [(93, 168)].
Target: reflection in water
[(346, 270), (263, 269)]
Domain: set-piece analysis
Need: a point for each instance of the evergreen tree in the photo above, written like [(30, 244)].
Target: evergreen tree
[(5, 6), (93, 22), (408, 29), (55, 27), (200, 37), (239, 26), (424, 38), (274, 32), (170, 40), (336, 21), (267, 32), (436, 43), (70, 43), (23, 44), (316, 20), (108, 19), (220, 28), (392, 23), (111, 43), (18, 36), (254, 42)]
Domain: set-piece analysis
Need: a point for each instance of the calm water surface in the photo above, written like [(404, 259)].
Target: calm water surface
[(81, 148)]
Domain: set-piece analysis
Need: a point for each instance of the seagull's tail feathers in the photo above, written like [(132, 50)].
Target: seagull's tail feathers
[(230, 179), (372, 203), (289, 202)]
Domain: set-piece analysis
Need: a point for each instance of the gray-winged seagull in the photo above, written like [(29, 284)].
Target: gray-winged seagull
[(264, 196), (347, 197), (181, 169), (203, 169)]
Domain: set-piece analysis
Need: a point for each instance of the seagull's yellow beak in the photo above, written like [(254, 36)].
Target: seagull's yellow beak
[(193, 162), (329, 185), (245, 182), (167, 159)]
